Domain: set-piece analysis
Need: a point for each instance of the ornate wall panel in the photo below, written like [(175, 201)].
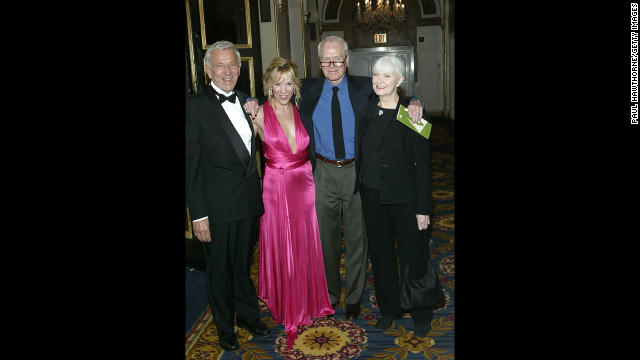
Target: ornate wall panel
[(225, 20)]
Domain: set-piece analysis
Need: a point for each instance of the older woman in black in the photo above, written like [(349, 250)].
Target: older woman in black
[(395, 188)]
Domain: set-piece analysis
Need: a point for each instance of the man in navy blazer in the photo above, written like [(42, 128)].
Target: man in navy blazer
[(223, 193)]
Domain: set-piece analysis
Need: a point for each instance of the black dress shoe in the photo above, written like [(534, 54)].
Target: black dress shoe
[(229, 341), (255, 327), (421, 330), (353, 311), (384, 322)]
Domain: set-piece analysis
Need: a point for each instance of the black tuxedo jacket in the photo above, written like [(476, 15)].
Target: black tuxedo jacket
[(222, 180), (403, 157)]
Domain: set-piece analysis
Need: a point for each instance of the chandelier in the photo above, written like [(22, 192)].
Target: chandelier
[(384, 17)]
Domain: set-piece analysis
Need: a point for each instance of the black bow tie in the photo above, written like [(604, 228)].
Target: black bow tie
[(231, 98)]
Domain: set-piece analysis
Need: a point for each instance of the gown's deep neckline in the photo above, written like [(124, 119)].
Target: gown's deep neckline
[(282, 129)]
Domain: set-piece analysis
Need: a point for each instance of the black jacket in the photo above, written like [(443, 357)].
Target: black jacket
[(222, 180), (403, 157)]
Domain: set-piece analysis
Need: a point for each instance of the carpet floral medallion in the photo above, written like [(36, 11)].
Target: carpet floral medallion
[(336, 338), (327, 338)]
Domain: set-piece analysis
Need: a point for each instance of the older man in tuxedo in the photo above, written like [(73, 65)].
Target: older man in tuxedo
[(223, 193)]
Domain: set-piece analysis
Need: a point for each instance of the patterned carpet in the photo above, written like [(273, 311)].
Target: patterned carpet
[(336, 338)]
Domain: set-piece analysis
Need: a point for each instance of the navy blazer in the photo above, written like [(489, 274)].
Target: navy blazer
[(403, 158), (222, 180)]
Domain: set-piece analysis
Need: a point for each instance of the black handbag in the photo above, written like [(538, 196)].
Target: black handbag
[(421, 293)]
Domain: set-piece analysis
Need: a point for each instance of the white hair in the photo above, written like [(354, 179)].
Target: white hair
[(389, 64), (345, 47), (221, 45)]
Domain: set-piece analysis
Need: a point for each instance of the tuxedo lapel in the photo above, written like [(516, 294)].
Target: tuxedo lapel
[(242, 98), (234, 137)]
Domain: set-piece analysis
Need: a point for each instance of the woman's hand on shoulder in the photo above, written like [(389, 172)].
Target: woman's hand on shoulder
[(251, 107), (258, 122), (415, 111)]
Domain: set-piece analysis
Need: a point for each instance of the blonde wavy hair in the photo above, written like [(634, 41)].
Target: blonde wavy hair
[(278, 68)]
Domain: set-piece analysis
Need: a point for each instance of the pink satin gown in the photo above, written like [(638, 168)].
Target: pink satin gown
[(291, 279)]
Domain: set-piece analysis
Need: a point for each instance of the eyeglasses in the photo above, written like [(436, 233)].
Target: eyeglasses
[(335, 63)]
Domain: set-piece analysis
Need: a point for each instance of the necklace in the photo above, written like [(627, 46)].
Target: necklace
[(388, 107)]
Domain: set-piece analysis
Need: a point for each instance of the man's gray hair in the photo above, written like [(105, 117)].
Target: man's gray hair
[(221, 45), (345, 47)]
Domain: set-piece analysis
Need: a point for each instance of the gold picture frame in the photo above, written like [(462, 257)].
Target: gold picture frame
[(191, 54), (249, 60), (247, 11), (188, 232)]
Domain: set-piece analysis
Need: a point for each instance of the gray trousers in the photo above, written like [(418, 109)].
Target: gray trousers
[(335, 200)]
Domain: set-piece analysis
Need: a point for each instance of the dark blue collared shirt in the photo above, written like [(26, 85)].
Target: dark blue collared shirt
[(322, 128)]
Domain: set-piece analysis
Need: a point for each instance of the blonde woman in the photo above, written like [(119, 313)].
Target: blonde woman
[(291, 278)]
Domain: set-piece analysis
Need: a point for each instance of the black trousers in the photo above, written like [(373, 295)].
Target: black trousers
[(227, 270), (384, 224)]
